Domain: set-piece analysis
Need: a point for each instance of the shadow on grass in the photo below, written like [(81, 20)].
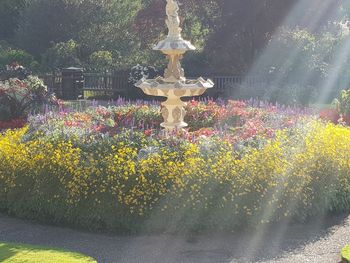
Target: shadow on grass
[(6, 252)]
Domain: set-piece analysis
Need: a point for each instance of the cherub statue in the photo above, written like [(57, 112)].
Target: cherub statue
[(173, 20)]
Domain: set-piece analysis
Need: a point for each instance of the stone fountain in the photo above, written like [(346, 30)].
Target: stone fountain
[(174, 84)]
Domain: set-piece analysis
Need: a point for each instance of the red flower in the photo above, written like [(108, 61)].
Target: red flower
[(291, 122), (2, 92), (148, 132), (13, 124), (103, 111), (237, 104), (100, 128), (345, 119), (21, 84), (330, 115)]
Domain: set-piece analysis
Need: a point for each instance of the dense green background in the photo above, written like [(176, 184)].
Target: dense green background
[(230, 34), (292, 43)]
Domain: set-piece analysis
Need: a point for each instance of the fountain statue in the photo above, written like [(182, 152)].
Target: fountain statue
[(174, 84)]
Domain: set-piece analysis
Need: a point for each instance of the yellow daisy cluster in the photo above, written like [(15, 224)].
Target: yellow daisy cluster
[(209, 183)]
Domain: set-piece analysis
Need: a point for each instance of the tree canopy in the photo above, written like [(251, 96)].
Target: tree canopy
[(10, 11), (230, 34)]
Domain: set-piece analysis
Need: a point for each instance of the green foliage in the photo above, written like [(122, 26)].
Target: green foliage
[(64, 54), (44, 23), (4, 45), (10, 11), (101, 61), (293, 52), (115, 34), (10, 56), (231, 37), (12, 71), (19, 253), (94, 25), (343, 102), (20, 97), (297, 64)]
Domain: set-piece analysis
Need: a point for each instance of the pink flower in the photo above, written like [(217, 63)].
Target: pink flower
[(148, 132), (331, 115)]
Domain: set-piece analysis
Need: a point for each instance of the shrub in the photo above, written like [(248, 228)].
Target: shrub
[(61, 55), (101, 61), (12, 71), (10, 56), (343, 102), (341, 112), (19, 97), (331, 115)]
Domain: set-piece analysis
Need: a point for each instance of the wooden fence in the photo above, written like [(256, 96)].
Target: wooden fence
[(226, 85), (54, 83), (114, 85)]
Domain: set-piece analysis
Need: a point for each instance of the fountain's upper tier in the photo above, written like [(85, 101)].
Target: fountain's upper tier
[(174, 43), (188, 83), (174, 46), (189, 88)]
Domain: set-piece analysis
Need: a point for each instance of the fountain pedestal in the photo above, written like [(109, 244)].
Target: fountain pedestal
[(174, 84), (173, 110)]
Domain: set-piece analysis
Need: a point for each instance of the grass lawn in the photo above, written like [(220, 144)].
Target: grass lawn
[(346, 253), (19, 253)]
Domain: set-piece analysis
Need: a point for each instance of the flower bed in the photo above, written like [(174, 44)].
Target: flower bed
[(112, 169), (235, 120)]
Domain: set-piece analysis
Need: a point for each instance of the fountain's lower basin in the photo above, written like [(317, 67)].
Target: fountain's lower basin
[(173, 110)]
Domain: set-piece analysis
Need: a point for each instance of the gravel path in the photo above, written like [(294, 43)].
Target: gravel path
[(318, 241)]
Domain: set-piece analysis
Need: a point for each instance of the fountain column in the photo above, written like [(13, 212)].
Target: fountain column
[(174, 85)]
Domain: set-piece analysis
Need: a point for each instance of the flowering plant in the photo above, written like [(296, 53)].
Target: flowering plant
[(128, 181), (343, 102), (331, 115), (19, 97), (343, 106), (14, 70), (233, 120), (112, 167), (12, 124)]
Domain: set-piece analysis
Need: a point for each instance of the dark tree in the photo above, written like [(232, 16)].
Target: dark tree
[(10, 11)]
